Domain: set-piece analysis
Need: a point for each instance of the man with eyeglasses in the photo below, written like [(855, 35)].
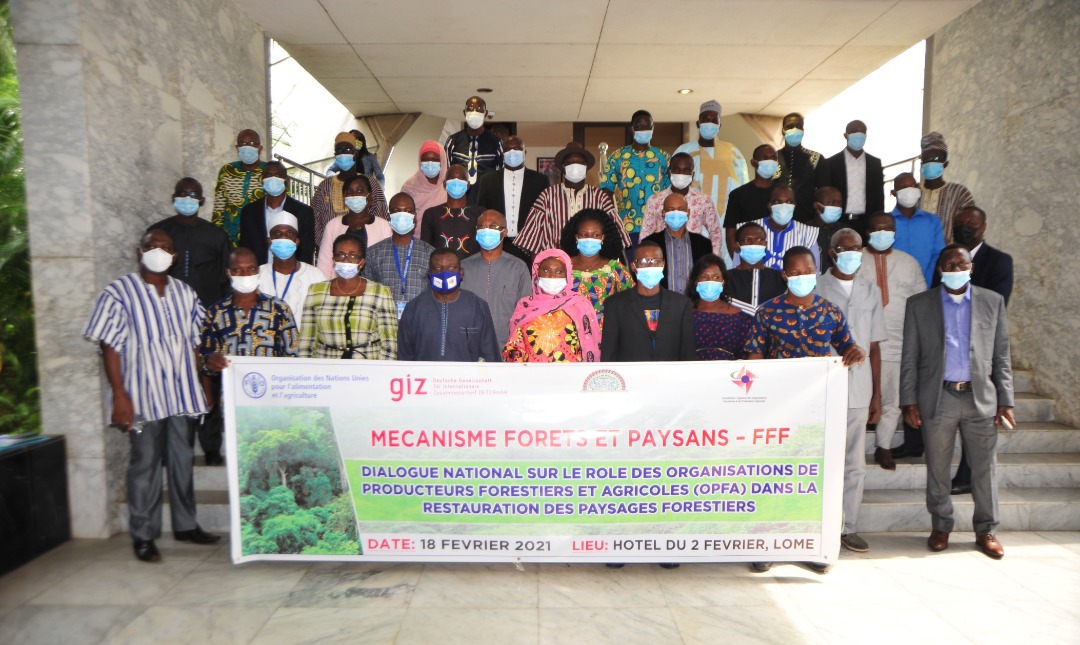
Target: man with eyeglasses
[(499, 278)]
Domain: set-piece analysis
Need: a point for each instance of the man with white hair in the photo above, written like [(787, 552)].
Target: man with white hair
[(285, 276)]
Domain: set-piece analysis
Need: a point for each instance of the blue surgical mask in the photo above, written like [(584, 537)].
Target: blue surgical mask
[(793, 137), (514, 158), (488, 238), (186, 206), (782, 213), (882, 240), (642, 137), (444, 281), (650, 276), (402, 222), (751, 253), (588, 246), (273, 186), (346, 270), (344, 162), (248, 154), (830, 214), (710, 291), (283, 249), (801, 285), (356, 203), (955, 279), (676, 219), (457, 188), (766, 168), (849, 262), (932, 170), (430, 168), (708, 130), (856, 140)]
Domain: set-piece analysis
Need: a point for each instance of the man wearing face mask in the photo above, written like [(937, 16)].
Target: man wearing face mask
[(328, 201), (474, 147), (858, 176), (918, 232), (801, 169), (238, 184), (156, 393), (828, 218), (680, 248), (782, 232), (499, 278), (750, 202), (512, 191), (401, 262), (898, 277), (648, 322), (702, 218), (719, 167), (957, 335), (635, 173), (860, 301), (255, 218), (285, 276), (944, 199), (202, 249), (447, 323), (557, 204), (753, 283), (452, 225)]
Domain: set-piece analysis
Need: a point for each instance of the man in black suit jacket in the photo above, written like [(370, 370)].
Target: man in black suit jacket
[(866, 169), (253, 218), (676, 213), (513, 187), (648, 323)]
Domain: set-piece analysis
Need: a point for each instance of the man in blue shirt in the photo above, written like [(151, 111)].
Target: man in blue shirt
[(918, 233)]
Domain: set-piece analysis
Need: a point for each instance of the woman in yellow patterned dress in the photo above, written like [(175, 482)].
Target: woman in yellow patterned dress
[(592, 240), (555, 324)]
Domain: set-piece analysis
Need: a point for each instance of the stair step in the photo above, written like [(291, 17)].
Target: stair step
[(1020, 509), (1033, 408), (1024, 382), (1028, 437), (212, 511), (210, 477), (1014, 471)]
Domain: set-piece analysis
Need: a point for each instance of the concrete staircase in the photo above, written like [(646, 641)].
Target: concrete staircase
[(1038, 474), (1038, 477)]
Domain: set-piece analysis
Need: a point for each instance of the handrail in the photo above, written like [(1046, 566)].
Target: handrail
[(297, 164)]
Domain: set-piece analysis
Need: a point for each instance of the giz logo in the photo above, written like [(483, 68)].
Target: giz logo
[(408, 386)]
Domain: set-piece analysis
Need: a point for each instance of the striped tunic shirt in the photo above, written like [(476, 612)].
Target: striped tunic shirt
[(155, 338), (553, 209)]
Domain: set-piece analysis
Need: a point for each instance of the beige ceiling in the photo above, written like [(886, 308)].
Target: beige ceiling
[(595, 60)]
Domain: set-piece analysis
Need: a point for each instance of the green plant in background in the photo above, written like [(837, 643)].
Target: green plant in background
[(20, 406)]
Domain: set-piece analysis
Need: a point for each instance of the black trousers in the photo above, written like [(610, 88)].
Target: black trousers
[(212, 429)]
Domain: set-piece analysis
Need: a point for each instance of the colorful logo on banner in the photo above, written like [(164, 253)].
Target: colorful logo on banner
[(743, 379), (604, 381)]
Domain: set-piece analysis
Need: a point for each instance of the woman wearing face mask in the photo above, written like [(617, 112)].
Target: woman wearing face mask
[(720, 329), (359, 221), (349, 317), (591, 239), (426, 185), (452, 225), (555, 324)]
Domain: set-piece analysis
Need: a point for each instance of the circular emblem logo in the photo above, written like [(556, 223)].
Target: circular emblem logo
[(603, 381), (254, 385)]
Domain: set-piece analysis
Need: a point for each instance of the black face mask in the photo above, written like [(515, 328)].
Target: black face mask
[(966, 235)]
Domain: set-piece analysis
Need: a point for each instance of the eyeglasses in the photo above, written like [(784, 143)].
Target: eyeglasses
[(347, 257), (493, 227), (843, 249), (650, 262)]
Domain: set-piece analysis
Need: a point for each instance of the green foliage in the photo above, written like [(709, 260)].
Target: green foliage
[(20, 407), (293, 497)]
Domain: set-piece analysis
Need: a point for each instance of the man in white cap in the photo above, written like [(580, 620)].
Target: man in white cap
[(719, 167), (285, 276)]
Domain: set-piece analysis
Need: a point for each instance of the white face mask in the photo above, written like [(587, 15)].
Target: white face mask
[(908, 197), (681, 181), (474, 119), (157, 260), (244, 283), (574, 172), (551, 286)]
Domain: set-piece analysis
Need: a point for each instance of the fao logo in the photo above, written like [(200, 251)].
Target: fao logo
[(254, 385)]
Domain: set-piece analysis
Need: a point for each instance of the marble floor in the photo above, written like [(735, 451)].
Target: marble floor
[(94, 591)]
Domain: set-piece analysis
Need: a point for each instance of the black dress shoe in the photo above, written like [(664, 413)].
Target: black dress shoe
[(196, 535), (146, 551), (904, 453), (960, 488), (214, 459), (669, 565), (615, 565)]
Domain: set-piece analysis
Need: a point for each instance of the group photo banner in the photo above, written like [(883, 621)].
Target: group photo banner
[(711, 461)]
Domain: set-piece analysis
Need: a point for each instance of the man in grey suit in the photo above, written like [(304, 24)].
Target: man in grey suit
[(955, 372)]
